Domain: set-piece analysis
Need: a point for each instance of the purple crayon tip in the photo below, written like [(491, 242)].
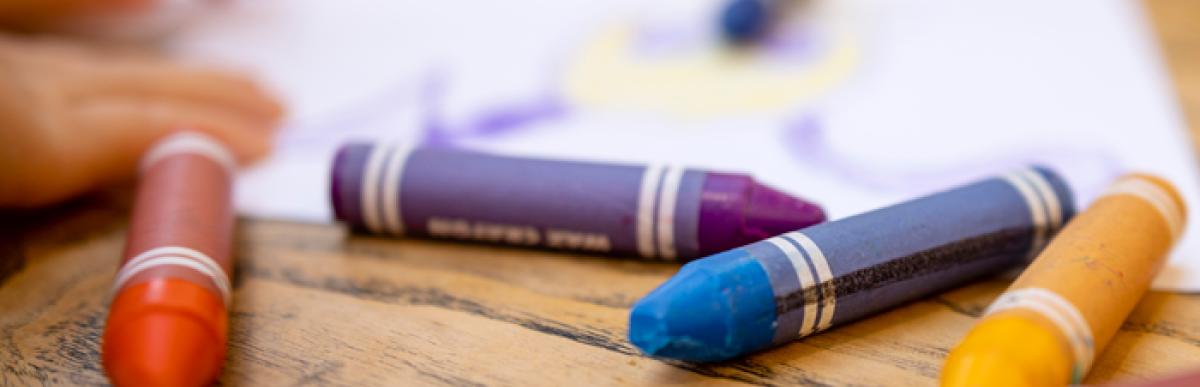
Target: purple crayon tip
[(770, 212), (735, 210)]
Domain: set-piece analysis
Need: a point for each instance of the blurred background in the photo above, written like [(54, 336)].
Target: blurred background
[(857, 103), (854, 103)]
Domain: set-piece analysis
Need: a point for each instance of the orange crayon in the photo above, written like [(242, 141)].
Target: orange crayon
[(167, 322), (1048, 327)]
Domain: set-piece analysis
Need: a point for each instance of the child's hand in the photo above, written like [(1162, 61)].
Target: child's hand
[(73, 117), (37, 15)]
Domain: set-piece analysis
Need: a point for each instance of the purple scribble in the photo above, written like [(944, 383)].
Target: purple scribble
[(436, 129), (364, 113), (806, 142), (796, 45), (492, 122)]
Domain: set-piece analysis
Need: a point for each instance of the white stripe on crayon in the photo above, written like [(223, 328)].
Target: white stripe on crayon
[(370, 187), (1053, 205), (393, 174), (1061, 312), (1153, 195), (179, 256), (1083, 341), (806, 283), (190, 142), (1036, 211), (645, 210), (666, 212), (824, 277), (171, 260), (181, 251), (1044, 227), (1047, 228)]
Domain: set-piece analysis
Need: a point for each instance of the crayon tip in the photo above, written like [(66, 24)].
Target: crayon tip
[(165, 332), (743, 20), (661, 323), (705, 313), (770, 212), (990, 357), (162, 349), (736, 211)]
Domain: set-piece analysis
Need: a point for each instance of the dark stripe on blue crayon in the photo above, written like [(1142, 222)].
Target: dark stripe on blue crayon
[(1036, 203), (1028, 208), (782, 277), (816, 289), (1045, 203), (992, 222), (1065, 201), (791, 305), (829, 294)]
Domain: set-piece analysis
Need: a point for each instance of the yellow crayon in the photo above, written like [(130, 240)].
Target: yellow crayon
[(1048, 327)]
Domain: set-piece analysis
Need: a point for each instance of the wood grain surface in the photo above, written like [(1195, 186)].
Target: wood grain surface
[(315, 306)]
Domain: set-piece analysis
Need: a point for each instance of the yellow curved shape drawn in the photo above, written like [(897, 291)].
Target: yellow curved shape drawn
[(704, 83)]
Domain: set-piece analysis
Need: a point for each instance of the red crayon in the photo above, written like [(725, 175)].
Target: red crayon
[(167, 322)]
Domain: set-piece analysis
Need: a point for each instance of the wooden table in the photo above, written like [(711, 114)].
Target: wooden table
[(316, 306)]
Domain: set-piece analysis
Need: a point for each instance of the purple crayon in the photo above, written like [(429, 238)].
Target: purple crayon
[(653, 211)]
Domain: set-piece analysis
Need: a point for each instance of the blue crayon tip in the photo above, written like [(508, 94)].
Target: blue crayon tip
[(713, 309), (744, 20)]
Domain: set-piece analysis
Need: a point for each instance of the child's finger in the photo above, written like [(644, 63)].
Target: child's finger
[(109, 136), (154, 81)]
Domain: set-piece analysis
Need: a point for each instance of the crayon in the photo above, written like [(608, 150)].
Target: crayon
[(746, 20), (1072, 299), (655, 212), (803, 282), (167, 320)]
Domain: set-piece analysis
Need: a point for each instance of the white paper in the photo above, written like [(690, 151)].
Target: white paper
[(855, 104)]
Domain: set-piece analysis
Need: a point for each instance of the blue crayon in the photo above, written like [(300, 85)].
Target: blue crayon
[(784, 288), (744, 21)]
